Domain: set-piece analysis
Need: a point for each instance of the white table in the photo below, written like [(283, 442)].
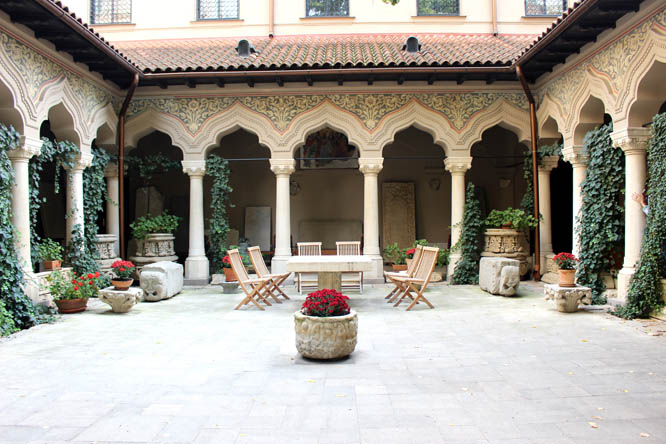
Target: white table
[(329, 269)]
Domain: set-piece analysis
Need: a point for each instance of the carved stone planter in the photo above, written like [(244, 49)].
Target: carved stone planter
[(107, 249), (156, 247), (508, 243), (567, 299), (326, 338)]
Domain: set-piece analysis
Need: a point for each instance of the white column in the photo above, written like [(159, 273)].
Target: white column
[(457, 166), (282, 168), (370, 167), (547, 165), (633, 142), (75, 194), (20, 158), (196, 265), (574, 155), (112, 209)]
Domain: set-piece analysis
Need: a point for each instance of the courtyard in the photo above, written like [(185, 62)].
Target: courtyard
[(476, 369)]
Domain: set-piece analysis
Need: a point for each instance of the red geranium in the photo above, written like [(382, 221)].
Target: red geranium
[(410, 253), (325, 303), (226, 262), (566, 261), (123, 269)]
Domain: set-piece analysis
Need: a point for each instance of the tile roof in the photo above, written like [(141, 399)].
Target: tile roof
[(325, 51)]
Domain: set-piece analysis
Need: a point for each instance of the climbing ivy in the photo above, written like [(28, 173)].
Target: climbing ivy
[(600, 223), (218, 169), (17, 310), (144, 167), (527, 202), (64, 154), (645, 292), (469, 244)]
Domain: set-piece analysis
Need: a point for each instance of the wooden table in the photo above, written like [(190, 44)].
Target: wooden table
[(329, 269)]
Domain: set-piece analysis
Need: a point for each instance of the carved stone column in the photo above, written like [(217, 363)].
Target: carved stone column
[(633, 141), (370, 168), (196, 265), (548, 163), (75, 194), (282, 168), (112, 209), (457, 166), (578, 160), (21, 197)]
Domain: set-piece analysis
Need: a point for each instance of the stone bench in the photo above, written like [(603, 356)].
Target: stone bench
[(567, 299), (499, 275), (161, 280)]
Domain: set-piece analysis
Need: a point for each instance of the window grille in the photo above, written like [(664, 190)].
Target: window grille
[(327, 8), (437, 7), (217, 9), (110, 11), (545, 7)]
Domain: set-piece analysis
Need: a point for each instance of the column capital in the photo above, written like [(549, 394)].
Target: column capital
[(282, 167), (548, 163), (632, 140), (370, 165), (28, 147), (457, 165), (194, 168), (82, 162), (111, 170), (575, 155)]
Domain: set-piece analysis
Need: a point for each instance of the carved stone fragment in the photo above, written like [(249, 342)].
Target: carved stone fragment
[(161, 280), (326, 338)]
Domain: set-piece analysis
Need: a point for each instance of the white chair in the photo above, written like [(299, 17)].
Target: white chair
[(307, 249), (354, 279)]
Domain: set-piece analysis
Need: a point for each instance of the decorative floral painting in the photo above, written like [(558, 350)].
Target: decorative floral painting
[(328, 149)]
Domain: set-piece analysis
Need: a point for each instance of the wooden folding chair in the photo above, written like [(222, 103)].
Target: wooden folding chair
[(307, 249), (407, 273), (350, 248), (414, 287), (255, 289), (262, 271)]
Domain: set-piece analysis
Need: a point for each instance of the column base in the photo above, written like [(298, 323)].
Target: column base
[(377, 273), (197, 270), (279, 264), (623, 281), (453, 259)]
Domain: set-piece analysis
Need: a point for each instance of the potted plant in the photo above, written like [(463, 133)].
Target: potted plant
[(511, 218), (326, 328), (50, 254), (155, 235), (122, 271), (229, 274), (71, 291), (566, 262), (395, 256)]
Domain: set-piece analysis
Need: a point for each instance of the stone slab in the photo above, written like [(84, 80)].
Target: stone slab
[(161, 280), (121, 301), (491, 278), (258, 226), (315, 264), (398, 211), (148, 201)]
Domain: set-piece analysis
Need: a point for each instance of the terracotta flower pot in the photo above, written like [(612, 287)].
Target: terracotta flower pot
[(401, 267), (326, 338), (67, 306), (229, 275), (51, 265), (567, 278), (122, 284)]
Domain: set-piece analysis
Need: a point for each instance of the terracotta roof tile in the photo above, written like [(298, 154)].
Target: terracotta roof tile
[(321, 51)]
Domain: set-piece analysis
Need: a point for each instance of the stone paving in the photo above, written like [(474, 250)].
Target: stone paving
[(477, 369)]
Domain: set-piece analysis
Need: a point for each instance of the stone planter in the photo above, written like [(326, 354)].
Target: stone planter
[(106, 245), (120, 301), (156, 247), (325, 338), (567, 299), (510, 244), (229, 287)]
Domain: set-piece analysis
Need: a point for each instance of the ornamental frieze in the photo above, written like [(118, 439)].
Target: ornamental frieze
[(281, 110)]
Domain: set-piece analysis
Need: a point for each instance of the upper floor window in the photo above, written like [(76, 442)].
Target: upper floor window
[(327, 8), (110, 11), (545, 7), (437, 7), (217, 9)]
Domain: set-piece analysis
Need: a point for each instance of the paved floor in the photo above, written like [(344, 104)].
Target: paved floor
[(477, 369)]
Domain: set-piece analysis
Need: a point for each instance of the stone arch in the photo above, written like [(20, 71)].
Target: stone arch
[(549, 129), (589, 116), (592, 87), (416, 115), (9, 113), (59, 95), (648, 95), (63, 124), (104, 124), (502, 114), (152, 120), (550, 117), (226, 122), (319, 117)]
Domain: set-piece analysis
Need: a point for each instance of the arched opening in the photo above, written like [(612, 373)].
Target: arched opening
[(62, 124), (9, 115), (415, 191), (326, 191), (155, 183), (592, 115), (651, 96), (252, 217)]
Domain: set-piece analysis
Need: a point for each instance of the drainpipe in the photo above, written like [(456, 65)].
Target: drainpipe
[(271, 17), (121, 163), (493, 7), (535, 171)]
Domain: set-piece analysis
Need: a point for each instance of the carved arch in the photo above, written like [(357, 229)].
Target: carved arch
[(152, 120), (499, 113), (60, 93), (105, 116)]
